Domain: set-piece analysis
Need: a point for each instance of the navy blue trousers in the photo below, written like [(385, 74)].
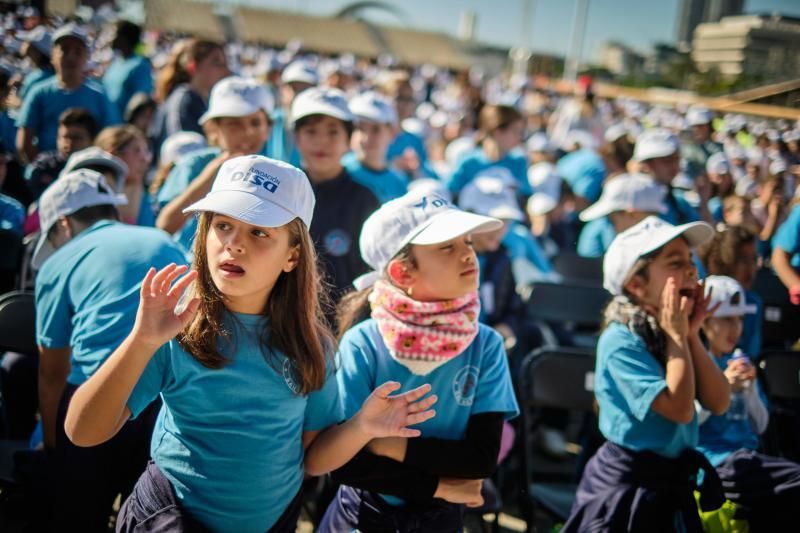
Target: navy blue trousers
[(356, 509)]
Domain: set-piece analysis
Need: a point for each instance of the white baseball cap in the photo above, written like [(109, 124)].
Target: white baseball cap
[(729, 294), (97, 157), (40, 38), (237, 97), (490, 196), (430, 187), (777, 166), (69, 193), (179, 144), (299, 72), (546, 184), (647, 236), (321, 101), (627, 192), (697, 116), (655, 143), (373, 107), (71, 30), (615, 132), (415, 218), (718, 164), (539, 142), (259, 191)]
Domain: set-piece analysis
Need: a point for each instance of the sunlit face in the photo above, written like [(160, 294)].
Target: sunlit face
[(372, 138), (664, 169), (489, 241), (243, 135), (322, 142), (69, 56), (674, 261), (245, 261), (723, 333), (444, 271), (70, 139), (136, 154), (212, 68)]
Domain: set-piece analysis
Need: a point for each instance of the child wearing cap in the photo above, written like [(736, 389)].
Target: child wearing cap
[(423, 328), (786, 253), (175, 148), (295, 78), (129, 73), (500, 132), (718, 169), (37, 47), (551, 210), (764, 488), (651, 366), (375, 120), (242, 363), (38, 117), (238, 118), (627, 199), (323, 125), (86, 299), (733, 252)]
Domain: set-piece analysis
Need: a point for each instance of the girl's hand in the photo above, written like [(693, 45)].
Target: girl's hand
[(701, 309), (156, 321), (382, 415), (739, 374), (461, 491), (673, 316)]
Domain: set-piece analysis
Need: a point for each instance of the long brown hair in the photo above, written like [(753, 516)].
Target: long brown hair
[(182, 62), (297, 326)]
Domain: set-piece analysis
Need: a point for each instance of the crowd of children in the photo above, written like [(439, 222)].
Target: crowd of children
[(254, 266)]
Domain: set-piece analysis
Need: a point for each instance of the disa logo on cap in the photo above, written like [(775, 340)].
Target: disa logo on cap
[(258, 178)]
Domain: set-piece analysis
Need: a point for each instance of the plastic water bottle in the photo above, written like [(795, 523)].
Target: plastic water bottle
[(738, 408)]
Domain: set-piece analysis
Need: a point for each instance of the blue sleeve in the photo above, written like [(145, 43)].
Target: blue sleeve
[(153, 380), (30, 113), (750, 341), (589, 242), (787, 237), (460, 176), (355, 376), (142, 79), (521, 174), (53, 320), (176, 181), (637, 375), (111, 116), (495, 392), (324, 408)]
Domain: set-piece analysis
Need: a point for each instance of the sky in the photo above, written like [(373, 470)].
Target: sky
[(637, 23)]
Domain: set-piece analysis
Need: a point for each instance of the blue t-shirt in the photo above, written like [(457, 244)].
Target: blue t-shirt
[(32, 78), (147, 217), (521, 244), (125, 77), (720, 436), (12, 214), (627, 380), (87, 292), (476, 162), (386, 185), (679, 211), (230, 439), (750, 341), (787, 237), (47, 100), (405, 140), (585, 171), (8, 131), (715, 208), (281, 141), (595, 238)]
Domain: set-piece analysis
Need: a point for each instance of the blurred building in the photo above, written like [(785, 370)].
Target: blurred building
[(692, 13), (763, 46), (621, 60)]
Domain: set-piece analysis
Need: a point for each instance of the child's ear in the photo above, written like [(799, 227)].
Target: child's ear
[(636, 287), (293, 260), (399, 274)]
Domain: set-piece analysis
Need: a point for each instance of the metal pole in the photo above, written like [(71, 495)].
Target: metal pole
[(576, 41)]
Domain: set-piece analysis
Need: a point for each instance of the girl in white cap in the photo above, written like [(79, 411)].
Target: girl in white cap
[(651, 366), (243, 369), (424, 328)]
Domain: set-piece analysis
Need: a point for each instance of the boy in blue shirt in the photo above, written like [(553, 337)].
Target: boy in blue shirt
[(375, 120), (129, 73), (38, 118), (87, 294)]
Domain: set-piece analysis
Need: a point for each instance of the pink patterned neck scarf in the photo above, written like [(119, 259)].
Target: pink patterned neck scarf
[(423, 335)]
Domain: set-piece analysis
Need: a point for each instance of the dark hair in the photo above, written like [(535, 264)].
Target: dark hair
[(78, 116), (496, 117), (93, 213), (297, 323), (310, 120), (618, 152), (185, 56), (719, 255), (132, 33), (138, 103)]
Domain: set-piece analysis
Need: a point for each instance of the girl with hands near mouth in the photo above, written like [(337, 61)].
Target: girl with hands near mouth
[(651, 366), (243, 365)]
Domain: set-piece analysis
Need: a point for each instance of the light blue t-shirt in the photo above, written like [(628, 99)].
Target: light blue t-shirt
[(281, 141), (32, 78), (147, 216), (477, 381), (125, 77), (386, 185), (230, 439), (12, 214), (476, 162), (585, 171), (627, 380), (787, 237), (679, 211), (405, 140), (720, 436), (87, 292), (47, 100), (750, 341), (595, 238), (520, 243)]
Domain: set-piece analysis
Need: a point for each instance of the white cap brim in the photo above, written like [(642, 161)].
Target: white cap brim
[(726, 311), (328, 111), (451, 224), (246, 207), (506, 212), (695, 233), (601, 209), (43, 250), (239, 109)]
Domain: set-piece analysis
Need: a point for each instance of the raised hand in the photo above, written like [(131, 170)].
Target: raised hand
[(674, 313), (701, 309), (383, 415), (156, 321)]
